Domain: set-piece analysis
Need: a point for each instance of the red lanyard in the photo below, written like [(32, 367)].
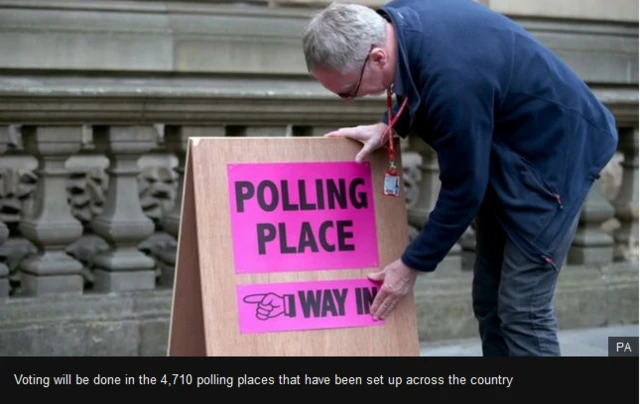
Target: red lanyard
[(391, 184), (389, 131)]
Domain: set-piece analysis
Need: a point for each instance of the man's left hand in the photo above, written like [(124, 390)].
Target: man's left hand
[(397, 280)]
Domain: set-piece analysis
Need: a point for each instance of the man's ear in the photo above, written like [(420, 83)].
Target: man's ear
[(379, 57)]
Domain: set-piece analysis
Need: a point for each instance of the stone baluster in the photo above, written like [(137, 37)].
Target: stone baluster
[(52, 227), (429, 188), (87, 194), (626, 202), (257, 131), (319, 131), (4, 231), (592, 245), (468, 244), (175, 139), (122, 222)]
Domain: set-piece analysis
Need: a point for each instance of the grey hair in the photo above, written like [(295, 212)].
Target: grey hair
[(339, 37)]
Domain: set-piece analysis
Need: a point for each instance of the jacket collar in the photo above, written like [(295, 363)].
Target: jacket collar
[(403, 84)]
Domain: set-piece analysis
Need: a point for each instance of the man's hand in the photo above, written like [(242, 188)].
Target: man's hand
[(397, 280), (369, 135)]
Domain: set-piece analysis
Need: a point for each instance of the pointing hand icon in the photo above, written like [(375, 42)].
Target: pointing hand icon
[(271, 305)]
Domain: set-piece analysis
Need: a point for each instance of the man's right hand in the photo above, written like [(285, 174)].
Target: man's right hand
[(369, 135)]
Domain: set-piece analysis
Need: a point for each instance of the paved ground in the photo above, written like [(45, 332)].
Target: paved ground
[(574, 342)]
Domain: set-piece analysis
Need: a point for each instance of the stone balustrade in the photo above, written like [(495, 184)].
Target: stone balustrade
[(84, 225), (93, 209), (90, 198)]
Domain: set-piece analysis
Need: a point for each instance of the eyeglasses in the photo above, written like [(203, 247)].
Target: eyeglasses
[(354, 92)]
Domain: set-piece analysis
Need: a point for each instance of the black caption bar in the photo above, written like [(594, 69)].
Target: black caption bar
[(444, 378)]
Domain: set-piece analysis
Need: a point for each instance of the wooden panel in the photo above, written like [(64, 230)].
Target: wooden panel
[(209, 157), (186, 331)]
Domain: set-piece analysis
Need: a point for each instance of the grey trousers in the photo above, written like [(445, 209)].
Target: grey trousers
[(513, 296)]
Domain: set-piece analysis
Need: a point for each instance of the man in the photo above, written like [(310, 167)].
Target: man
[(520, 141)]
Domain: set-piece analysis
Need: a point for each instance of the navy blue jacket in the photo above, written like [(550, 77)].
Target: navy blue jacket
[(504, 114)]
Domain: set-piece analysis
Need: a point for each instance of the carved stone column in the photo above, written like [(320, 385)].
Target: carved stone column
[(122, 222), (4, 232), (175, 139), (429, 188), (626, 202), (468, 245), (87, 191), (319, 131), (52, 228), (592, 245)]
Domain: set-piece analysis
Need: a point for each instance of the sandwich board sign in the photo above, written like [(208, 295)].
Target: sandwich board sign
[(276, 239)]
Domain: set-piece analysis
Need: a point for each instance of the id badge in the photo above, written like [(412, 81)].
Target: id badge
[(391, 184)]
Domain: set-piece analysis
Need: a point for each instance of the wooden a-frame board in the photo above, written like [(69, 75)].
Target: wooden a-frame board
[(205, 312)]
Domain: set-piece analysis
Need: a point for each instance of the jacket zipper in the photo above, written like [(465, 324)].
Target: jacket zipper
[(546, 186), (549, 261), (558, 199)]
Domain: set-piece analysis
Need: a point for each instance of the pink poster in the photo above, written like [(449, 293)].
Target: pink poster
[(302, 216), (306, 305)]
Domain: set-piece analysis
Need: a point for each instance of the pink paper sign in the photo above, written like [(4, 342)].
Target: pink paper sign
[(302, 216), (306, 305)]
